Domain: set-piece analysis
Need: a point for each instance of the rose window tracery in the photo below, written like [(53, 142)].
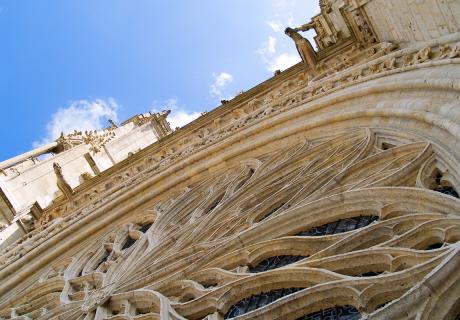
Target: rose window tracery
[(283, 233)]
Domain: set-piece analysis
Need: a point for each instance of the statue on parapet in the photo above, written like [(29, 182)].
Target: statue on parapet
[(303, 46), (62, 184)]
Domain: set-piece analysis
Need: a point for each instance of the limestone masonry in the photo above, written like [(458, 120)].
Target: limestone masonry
[(329, 191)]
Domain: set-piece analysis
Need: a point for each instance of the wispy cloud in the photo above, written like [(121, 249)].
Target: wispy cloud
[(80, 115), (271, 44), (274, 61), (275, 26), (283, 61), (179, 115), (221, 81)]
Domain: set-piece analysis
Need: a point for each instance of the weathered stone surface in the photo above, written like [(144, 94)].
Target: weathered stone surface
[(323, 193)]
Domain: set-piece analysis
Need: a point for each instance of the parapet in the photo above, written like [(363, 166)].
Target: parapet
[(51, 173)]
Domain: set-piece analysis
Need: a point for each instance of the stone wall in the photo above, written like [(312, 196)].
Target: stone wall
[(411, 21), (318, 194)]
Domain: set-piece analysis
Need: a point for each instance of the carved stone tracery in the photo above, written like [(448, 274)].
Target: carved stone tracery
[(334, 242), (329, 195)]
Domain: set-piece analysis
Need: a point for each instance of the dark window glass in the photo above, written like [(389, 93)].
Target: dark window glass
[(145, 227), (274, 263), (382, 305), (336, 313), (433, 246), (258, 301), (386, 146), (209, 285), (339, 226), (370, 274), (450, 191), (128, 243), (447, 190)]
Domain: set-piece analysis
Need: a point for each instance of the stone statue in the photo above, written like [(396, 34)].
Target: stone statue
[(304, 47), (61, 182)]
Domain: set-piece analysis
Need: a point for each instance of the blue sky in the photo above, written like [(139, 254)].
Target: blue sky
[(68, 64)]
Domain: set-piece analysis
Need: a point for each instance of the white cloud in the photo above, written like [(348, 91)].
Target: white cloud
[(283, 61), (268, 48), (80, 115), (275, 25), (179, 115), (221, 80), (275, 61), (271, 45)]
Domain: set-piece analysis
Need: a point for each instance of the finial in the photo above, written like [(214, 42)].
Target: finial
[(62, 184)]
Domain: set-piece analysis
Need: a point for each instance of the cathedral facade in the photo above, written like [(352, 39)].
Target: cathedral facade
[(329, 191)]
